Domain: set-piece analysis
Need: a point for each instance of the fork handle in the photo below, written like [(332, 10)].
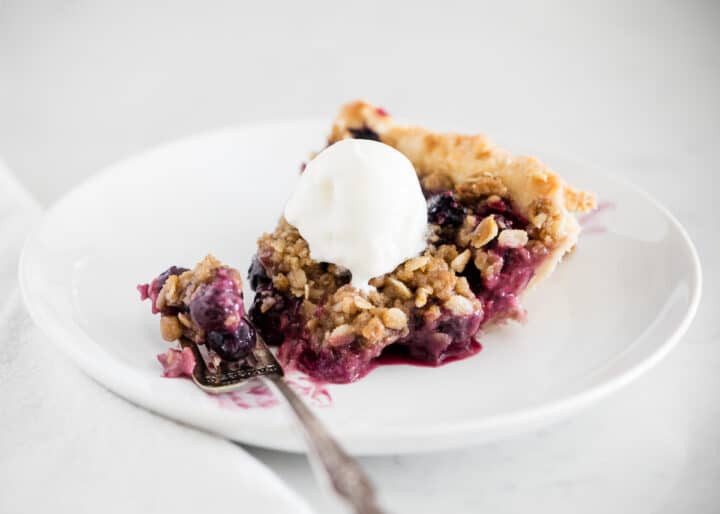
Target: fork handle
[(345, 475)]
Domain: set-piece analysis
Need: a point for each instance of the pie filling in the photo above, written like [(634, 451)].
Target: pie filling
[(480, 257)]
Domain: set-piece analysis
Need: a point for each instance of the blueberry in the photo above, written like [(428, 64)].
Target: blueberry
[(281, 321), (211, 308), (232, 346), (257, 275), (206, 313), (172, 270), (364, 132), (445, 210)]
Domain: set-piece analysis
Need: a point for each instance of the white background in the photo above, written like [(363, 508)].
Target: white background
[(629, 86)]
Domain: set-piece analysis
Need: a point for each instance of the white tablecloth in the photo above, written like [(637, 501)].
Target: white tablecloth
[(631, 86), (68, 445)]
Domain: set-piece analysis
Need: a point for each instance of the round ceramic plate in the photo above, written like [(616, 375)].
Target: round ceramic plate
[(611, 311)]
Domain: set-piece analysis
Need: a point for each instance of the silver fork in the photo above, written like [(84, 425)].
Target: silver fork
[(344, 474)]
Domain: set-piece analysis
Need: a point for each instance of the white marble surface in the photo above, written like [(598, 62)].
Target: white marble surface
[(633, 88)]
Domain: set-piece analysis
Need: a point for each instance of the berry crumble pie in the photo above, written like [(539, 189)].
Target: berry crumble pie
[(497, 224)]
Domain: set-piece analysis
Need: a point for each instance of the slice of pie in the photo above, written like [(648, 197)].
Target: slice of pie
[(497, 225)]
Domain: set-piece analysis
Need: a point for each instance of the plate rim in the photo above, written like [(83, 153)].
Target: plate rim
[(353, 437)]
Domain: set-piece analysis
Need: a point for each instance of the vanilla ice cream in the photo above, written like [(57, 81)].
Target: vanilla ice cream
[(359, 205)]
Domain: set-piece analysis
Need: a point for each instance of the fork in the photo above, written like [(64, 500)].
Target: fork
[(344, 474)]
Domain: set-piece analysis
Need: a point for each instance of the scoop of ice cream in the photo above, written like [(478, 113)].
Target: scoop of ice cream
[(359, 205)]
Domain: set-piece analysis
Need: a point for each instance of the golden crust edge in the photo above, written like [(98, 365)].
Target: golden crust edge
[(460, 159)]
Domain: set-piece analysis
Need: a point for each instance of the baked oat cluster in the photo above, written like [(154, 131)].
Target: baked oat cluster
[(348, 313), (203, 305), (427, 304), (497, 224)]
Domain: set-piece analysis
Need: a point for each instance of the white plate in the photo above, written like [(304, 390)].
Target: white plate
[(609, 313)]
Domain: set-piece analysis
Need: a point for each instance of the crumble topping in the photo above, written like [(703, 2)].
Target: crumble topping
[(434, 282), (512, 238), (351, 314)]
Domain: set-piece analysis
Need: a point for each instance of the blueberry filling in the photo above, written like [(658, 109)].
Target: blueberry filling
[(447, 337), (327, 364), (364, 132), (278, 322), (257, 276), (445, 211), (504, 214), (276, 316)]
